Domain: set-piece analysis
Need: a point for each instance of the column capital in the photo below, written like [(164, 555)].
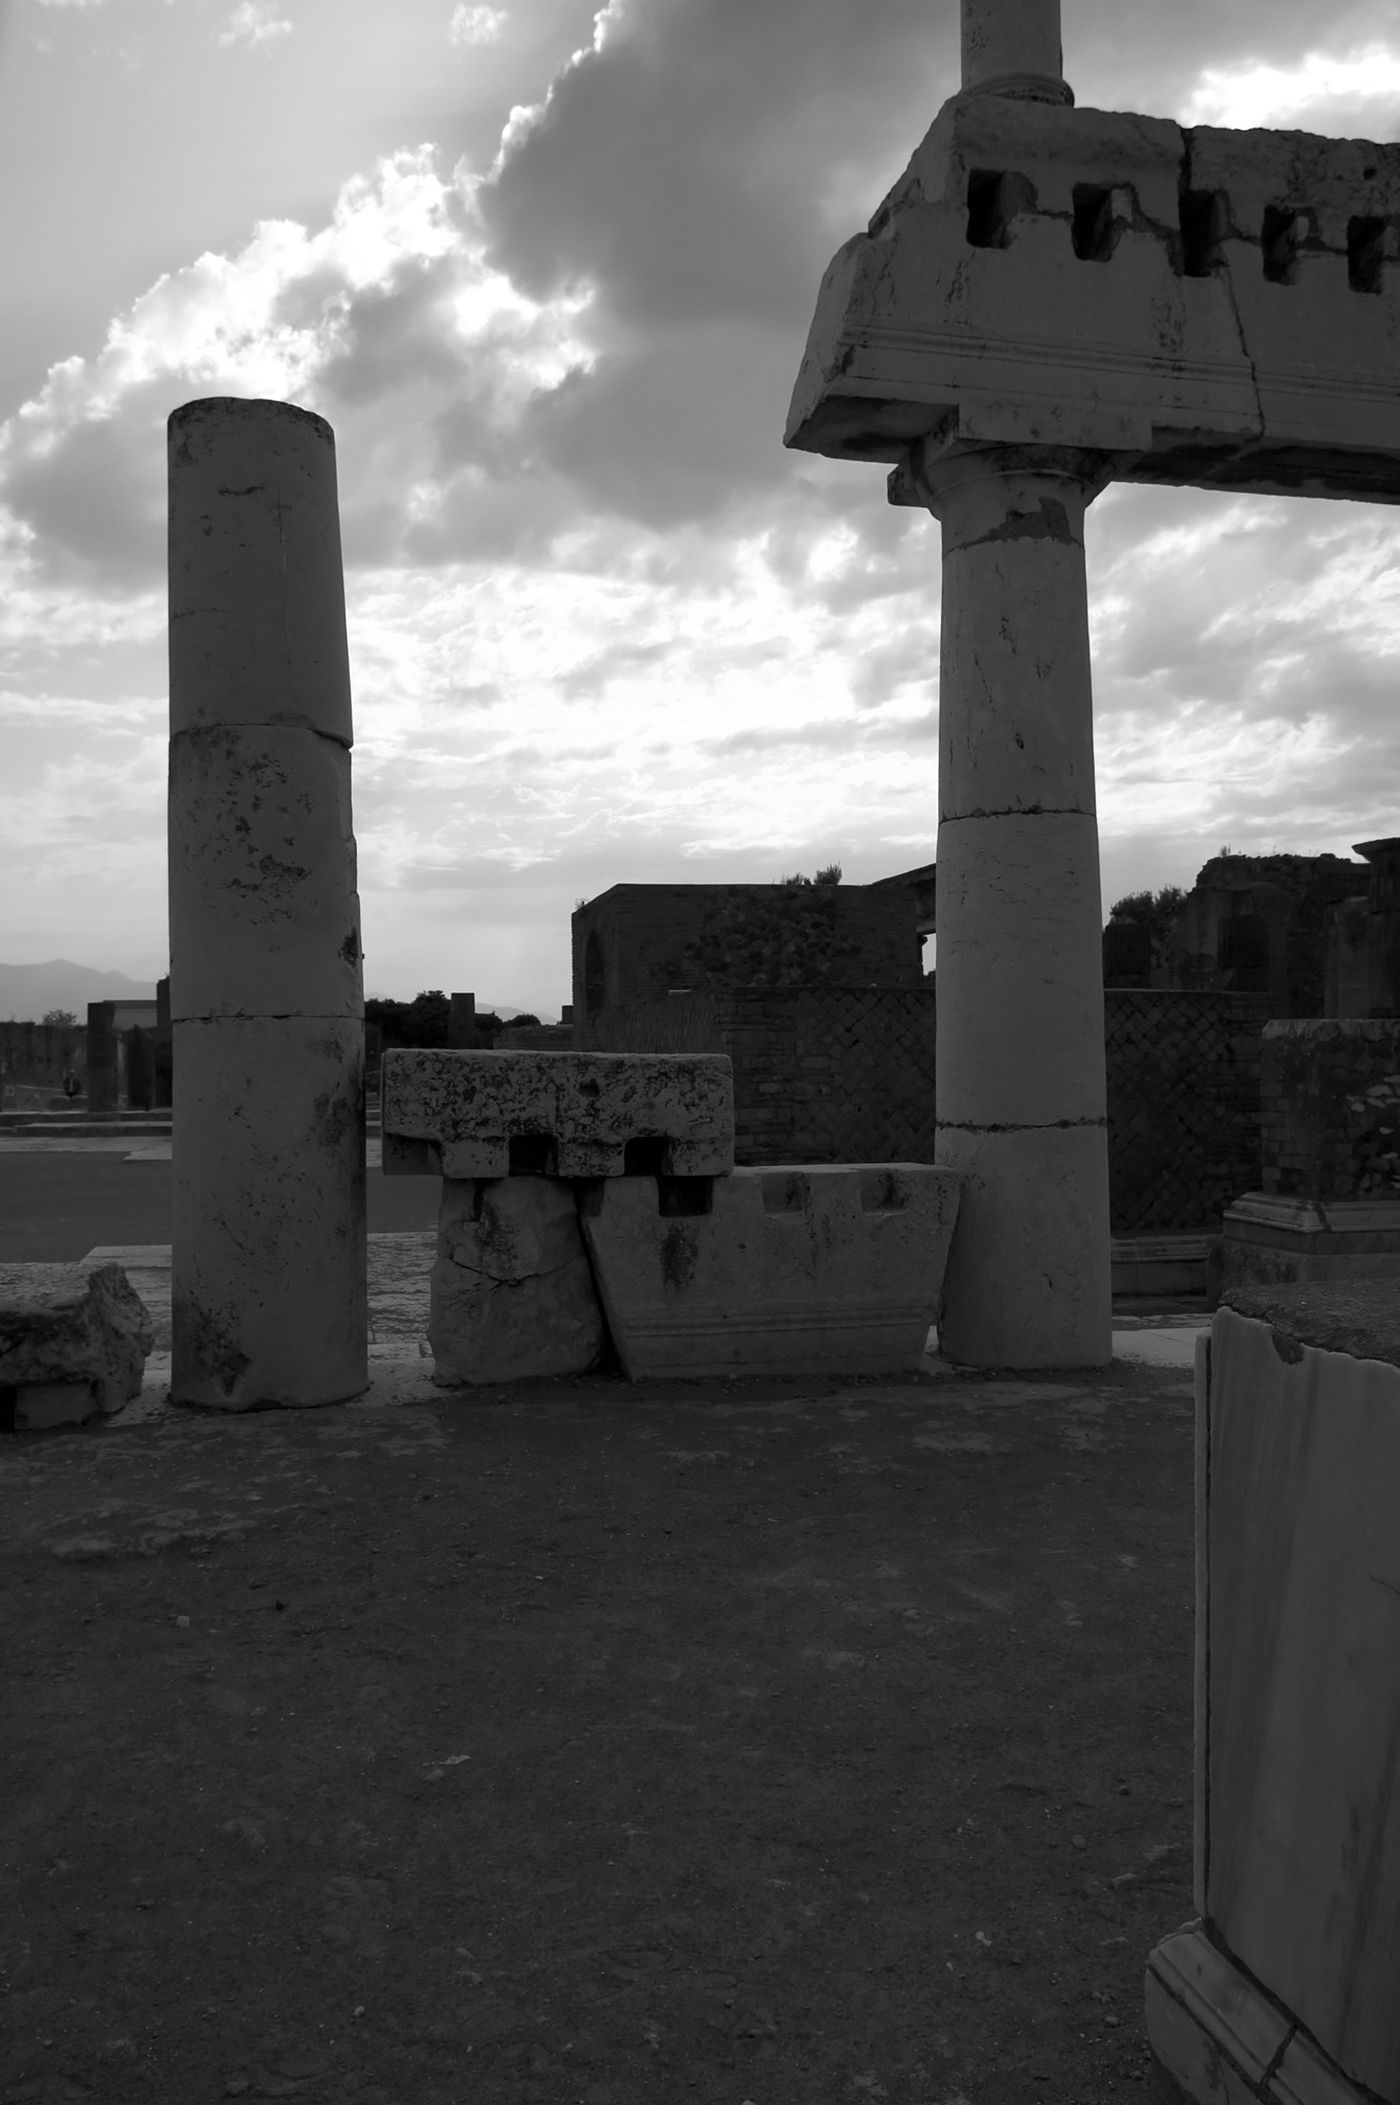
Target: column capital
[(977, 487)]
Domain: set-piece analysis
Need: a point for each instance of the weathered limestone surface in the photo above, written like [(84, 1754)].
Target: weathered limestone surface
[(512, 1292), (268, 1211), (455, 1114), (1013, 47), (1297, 1693), (268, 1191), (1029, 1280), (1207, 306), (74, 1342), (797, 1270), (261, 817), (1273, 1241)]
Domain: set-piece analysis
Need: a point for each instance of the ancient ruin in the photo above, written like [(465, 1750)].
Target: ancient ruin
[(267, 1006), (1048, 299), (588, 1196)]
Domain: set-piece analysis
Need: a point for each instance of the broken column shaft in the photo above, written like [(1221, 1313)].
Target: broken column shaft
[(1020, 1088), (267, 1010)]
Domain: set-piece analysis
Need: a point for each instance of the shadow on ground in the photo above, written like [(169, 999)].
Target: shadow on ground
[(770, 1741)]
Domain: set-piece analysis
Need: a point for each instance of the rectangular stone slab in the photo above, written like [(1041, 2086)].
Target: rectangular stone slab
[(793, 1270), (1297, 1748), (455, 1114)]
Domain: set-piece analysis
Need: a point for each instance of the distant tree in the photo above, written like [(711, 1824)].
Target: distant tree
[(523, 1018), (421, 1022), (830, 875), (1136, 936), (60, 1019)]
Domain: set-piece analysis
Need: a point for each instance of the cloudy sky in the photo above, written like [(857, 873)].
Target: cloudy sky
[(548, 272)]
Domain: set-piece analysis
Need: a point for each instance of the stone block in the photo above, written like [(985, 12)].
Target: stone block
[(267, 1198), (257, 593), (778, 1270), (72, 1345), (1296, 1711), (512, 1291), (483, 1114), (262, 849)]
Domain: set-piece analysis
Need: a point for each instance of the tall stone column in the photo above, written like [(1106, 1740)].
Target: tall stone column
[(268, 1192), (1021, 1103), (1012, 47)]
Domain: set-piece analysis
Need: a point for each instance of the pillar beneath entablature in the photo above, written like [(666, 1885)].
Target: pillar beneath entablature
[(1012, 47), (1020, 1091)]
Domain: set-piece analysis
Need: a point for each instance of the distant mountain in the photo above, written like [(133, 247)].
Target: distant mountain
[(506, 1009), (26, 991)]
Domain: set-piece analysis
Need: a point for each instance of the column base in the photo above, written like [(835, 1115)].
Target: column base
[(1225, 2041), (1028, 1282)]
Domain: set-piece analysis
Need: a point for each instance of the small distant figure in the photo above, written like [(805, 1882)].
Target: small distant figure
[(72, 1087)]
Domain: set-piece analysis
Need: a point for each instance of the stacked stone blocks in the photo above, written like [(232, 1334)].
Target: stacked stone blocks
[(588, 1196)]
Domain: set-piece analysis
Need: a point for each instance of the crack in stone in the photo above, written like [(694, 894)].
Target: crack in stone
[(1041, 1125)]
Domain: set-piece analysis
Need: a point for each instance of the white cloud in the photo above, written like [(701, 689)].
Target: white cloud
[(254, 22), (476, 25), (390, 303), (1315, 93), (602, 625)]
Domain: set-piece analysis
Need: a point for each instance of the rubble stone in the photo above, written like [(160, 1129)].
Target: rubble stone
[(71, 1346), (512, 1292)]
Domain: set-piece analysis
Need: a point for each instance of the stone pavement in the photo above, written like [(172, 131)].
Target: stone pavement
[(401, 1364)]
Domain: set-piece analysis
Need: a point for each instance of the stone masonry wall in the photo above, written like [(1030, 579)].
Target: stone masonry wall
[(1183, 1106), (1330, 1125), (846, 1074), (649, 938), (821, 1074)]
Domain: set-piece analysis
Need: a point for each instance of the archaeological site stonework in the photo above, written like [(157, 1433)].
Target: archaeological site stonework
[(267, 1004), (1050, 299)]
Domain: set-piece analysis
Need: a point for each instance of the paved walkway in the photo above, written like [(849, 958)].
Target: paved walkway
[(401, 1363)]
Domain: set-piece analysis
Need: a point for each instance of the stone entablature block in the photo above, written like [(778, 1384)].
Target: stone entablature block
[(790, 1270), (1207, 306), (483, 1114)]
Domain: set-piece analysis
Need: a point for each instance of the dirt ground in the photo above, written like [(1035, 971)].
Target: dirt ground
[(764, 1741)]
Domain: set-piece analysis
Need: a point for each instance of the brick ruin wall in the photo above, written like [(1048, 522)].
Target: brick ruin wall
[(1330, 1108), (1183, 1106), (651, 937), (846, 1074)]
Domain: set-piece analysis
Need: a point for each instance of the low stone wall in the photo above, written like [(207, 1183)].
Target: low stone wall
[(1330, 1121)]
